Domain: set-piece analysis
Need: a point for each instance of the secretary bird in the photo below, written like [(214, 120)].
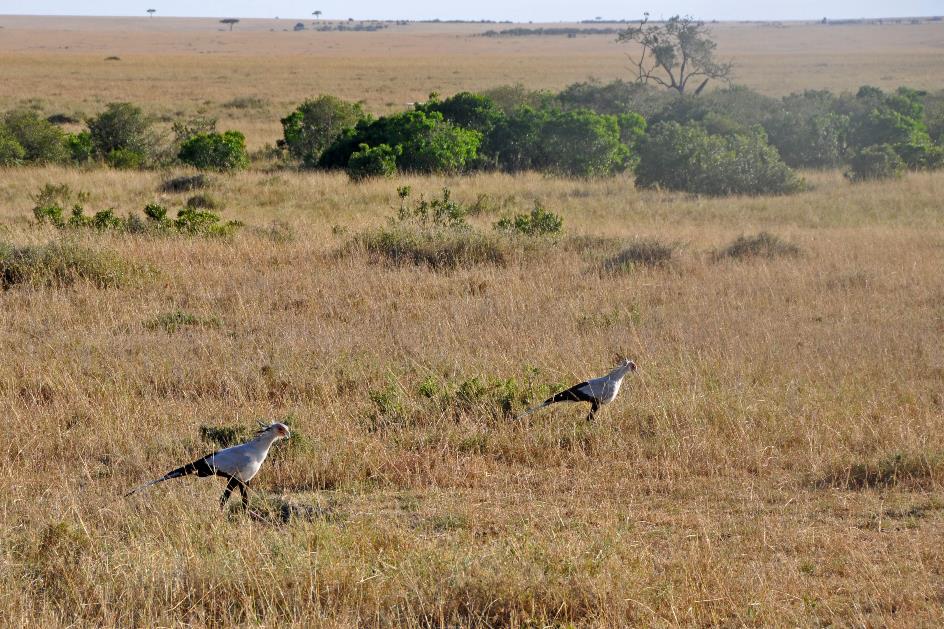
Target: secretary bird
[(239, 464), (598, 391)]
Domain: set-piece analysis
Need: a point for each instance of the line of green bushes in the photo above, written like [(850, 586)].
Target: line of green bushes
[(731, 141)]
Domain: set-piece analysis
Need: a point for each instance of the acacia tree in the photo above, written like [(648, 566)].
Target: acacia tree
[(674, 52), (317, 14), (231, 21), (151, 12)]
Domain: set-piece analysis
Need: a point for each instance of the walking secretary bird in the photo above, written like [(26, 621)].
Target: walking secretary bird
[(239, 464), (598, 392)]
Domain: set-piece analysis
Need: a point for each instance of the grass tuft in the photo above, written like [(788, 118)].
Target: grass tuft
[(640, 253), (62, 264), (913, 470), (763, 245)]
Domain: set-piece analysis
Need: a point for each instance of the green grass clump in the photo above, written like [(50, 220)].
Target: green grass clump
[(62, 264), (763, 245)]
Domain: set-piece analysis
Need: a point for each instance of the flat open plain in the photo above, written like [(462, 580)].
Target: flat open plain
[(777, 460)]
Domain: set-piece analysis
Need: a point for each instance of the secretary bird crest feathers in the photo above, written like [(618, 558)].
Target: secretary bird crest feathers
[(238, 464), (598, 391)]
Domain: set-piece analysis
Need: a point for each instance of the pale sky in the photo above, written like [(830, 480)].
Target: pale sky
[(516, 10)]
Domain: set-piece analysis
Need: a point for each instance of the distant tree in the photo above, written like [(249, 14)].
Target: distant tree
[(231, 21), (151, 12), (317, 14), (675, 52)]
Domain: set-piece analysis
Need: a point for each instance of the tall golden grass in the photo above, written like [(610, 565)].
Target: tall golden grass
[(777, 460)]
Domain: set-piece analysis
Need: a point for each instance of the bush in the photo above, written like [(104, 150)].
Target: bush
[(11, 151), (807, 130), (379, 161), (215, 151), (41, 141), (576, 143), (688, 158), (61, 264), (201, 223), (125, 159), (316, 124), (875, 162), (427, 143), (640, 253), (441, 212), (539, 222), (614, 98), (763, 245), (514, 143), (581, 143), (81, 147), (468, 110), (122, 127)]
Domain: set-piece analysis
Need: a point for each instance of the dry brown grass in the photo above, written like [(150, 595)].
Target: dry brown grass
[(778, 459)]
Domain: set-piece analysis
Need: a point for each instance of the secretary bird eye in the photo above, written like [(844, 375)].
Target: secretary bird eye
[(597, 392), (238, 464)]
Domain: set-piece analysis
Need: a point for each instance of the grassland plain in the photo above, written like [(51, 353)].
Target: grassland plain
[(778, 460), (251, 77)]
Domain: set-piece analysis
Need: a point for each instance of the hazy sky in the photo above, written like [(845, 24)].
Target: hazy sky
[(517, 10)]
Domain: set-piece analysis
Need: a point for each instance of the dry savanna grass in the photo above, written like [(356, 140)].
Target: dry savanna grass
[(777, 460)]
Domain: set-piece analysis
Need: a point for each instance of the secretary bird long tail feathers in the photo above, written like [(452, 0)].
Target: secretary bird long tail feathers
[(200, 467)]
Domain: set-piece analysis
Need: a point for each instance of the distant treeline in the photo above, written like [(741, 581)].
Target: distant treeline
[(555, 31)]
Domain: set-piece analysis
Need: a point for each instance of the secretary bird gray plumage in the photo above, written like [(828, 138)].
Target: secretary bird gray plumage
[(239, 464), (598, 392)]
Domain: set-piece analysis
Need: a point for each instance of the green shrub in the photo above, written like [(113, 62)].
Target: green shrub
[(539, 222), (42, 142), (581, 143), (61, 264), (215, 151), (379, 161), (440, 212), (125, 159), (11, 151), (316, 124), (688, 158), (427, 143), (640, 253), (201, 223), (763, 245), (875, 162), (124, 128), (467, 110), (614, 98), (81, 147)]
